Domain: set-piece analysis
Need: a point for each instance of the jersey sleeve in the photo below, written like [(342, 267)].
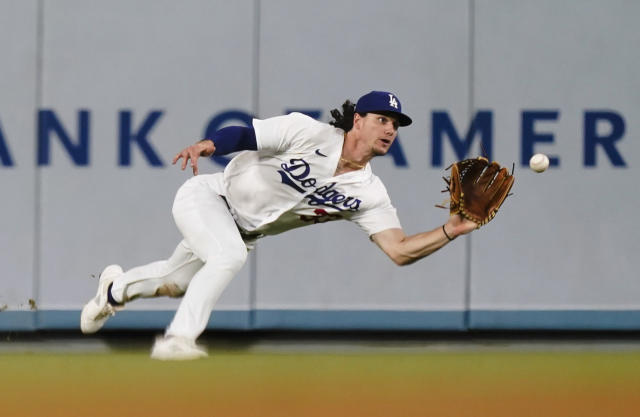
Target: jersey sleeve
[(233, 139), (380, 214), (377, 220), (283, 133)]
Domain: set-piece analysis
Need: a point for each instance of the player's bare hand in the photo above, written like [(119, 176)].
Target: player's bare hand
[(193, 152)]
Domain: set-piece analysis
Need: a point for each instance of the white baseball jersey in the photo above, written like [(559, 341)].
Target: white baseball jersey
[(290, 181)]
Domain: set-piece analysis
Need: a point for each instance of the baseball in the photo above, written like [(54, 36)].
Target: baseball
[(539, 162)]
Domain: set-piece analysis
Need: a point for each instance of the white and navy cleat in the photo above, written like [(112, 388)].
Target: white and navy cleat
[(175, 348), (98, 310)]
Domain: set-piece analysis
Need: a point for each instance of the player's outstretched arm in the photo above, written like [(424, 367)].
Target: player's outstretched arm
[(193, 152), (405, 250), (223, 142)]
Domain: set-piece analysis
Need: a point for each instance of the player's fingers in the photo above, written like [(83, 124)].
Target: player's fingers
[(185, 161), (175, 158), (194, 161)]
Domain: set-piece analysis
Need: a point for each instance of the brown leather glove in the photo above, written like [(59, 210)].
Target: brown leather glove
[(477, 188)]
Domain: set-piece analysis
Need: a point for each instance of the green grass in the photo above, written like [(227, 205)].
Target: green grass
[(256, 383)]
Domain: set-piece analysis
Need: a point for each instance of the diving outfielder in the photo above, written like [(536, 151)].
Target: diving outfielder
[(293, 171)]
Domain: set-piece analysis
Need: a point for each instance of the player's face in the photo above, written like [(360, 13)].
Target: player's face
[(379, 131)]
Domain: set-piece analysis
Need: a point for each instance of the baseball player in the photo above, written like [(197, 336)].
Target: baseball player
[(293, 171)]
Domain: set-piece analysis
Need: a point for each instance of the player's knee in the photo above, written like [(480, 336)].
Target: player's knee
[(237, 255), (170, 289), (232, 256)]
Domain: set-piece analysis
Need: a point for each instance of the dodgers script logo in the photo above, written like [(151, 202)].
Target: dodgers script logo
[(296, 175)]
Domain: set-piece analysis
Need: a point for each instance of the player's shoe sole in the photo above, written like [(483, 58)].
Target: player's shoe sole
[(98, 310), (173, 348)]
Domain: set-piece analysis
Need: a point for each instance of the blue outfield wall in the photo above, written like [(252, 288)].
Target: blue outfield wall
[(340, 320), (555, 320)]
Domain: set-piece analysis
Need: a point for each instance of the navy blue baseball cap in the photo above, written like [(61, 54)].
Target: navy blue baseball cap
[(382, 102)]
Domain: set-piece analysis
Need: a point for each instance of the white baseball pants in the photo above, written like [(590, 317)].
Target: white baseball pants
[(201, 266)]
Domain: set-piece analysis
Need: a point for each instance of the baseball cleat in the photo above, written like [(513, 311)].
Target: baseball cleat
[(175, 348), (98, 310)]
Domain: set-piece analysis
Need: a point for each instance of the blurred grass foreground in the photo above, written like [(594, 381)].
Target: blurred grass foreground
[(232, 382)]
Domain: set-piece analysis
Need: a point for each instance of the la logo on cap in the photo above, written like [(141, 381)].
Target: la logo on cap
[(393, 102)]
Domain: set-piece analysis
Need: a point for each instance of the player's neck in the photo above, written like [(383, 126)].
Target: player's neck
[(354, 156), (355, 150)]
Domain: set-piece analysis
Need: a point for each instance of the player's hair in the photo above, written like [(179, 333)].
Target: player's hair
[(344, 120)]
